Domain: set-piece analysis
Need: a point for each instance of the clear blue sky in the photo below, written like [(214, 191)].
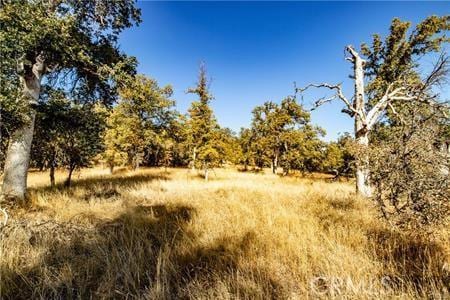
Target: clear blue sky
[(254, 51)]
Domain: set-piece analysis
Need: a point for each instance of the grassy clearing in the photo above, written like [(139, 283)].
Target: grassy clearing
[(160, 235)]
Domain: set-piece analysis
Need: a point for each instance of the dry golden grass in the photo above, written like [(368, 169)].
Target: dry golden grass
[(153, 234)]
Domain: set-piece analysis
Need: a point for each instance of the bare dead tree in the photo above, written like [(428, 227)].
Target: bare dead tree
[(366, 118)]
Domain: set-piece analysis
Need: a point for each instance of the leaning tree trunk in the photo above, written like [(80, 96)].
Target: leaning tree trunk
[(68, 181), (361, 131), (18, 153)]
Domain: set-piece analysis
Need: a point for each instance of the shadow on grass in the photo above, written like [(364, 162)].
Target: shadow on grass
[(412, 260), (409, 260), (251, 170), (104, 186), (200, 174), (146, 252)]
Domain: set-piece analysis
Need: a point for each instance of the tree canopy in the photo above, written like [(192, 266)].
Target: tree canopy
[(139, 123)]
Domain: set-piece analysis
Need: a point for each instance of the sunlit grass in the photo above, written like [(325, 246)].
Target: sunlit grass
[(168, 234)]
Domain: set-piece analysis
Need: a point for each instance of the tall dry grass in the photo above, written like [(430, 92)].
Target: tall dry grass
[(154, 234)]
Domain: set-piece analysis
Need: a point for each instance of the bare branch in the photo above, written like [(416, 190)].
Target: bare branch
[(350, 59), (394, 111), (354, 54), (378, 109), (423, 92), (439, 74), (352, 51), (339, 94), (419, 93), (402, 98), (322, 101)]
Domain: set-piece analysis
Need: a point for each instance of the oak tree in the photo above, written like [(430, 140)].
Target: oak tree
[(138, 124), (67, 43)]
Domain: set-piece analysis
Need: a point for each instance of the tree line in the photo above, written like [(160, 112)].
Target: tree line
[(143, 128), (71, 98)]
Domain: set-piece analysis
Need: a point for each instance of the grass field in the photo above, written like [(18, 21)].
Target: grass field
[(157, 234)]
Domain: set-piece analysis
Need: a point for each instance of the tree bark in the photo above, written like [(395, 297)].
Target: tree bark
[(135, 160), (69, 177), (364, 120), (275, 164), (52, 176), (17, 161), (156, 157), (52, 171), (362, 169), (18, 153), (194, 156), (361, 130), (206, 174)]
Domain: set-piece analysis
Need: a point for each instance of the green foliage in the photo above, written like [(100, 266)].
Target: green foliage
[(333, 159), (67, 44), (408, 169), (76, 40), (302, 149), (179, 147), (281, 135), (347, 144), (397, 60), (203, 134), (140, 124), (228, 146), (397, 57), (339, 157), (67, 135), (246, 148)]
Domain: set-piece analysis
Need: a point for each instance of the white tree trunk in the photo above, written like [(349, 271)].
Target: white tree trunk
[(364, 120), (206, 174), (19, 149), (17, 161), (361, 129), (362, 169)]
